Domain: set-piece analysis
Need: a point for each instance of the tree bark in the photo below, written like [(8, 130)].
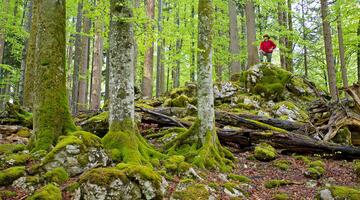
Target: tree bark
[(342, 52), (358, 52), (282, 38), (149, 54), (51, 113), (84, 65), (97, 65), (234, 40), (329, 51), (289, 44), (251, 33), (304, 37), (193, 54), (77, 60), (107, 75), (176, 69), (160, 78), (30, 59)]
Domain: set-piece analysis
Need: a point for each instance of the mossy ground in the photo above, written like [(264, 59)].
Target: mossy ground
[(48, 192), (265, 152), (57, 175), (7, 176)]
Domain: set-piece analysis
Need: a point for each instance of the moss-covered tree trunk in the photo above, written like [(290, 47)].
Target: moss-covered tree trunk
[(123, 139), (50, 107), (200, 144)]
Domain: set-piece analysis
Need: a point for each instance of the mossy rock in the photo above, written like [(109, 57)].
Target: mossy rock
[(11, 148), (24, 132), (277, 183), (76, 153), (343, 136), (130, 181), (239, 178), (9, 175), (48, 192), (17, 159), (342, 193), (194, 191), (176, 164), (57, 175), (99, 124), (289, 111), (282, 164), (265, 152), (299, 88), (281, 196), (179, 101), (315, 172), (267, 80), (188, 90)]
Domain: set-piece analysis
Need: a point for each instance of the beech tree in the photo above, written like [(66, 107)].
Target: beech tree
[(123, 139), (201, 141), (51, 113)]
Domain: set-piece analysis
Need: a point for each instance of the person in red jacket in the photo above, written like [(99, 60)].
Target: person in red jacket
[(266, 48)]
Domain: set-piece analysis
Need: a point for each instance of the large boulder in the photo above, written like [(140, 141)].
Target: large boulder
[(76, 153), (122, 182)]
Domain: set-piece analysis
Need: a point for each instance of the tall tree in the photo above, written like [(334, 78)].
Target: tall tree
[(84, 65), (342, 51), (123, 139), (176, 69), (252, 49), (289, 44), (304, 37), (77, 59), (51, 113), (97, 64), (149, 54), (234, 40), (329, 50), (160, 78), (282, 23), (358, 52), (202, 137)]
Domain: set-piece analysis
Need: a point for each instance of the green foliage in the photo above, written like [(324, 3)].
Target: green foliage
[(239, 178), (11, 148), (343, 192)]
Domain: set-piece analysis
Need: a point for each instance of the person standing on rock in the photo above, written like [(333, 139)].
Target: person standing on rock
[(266, 48)]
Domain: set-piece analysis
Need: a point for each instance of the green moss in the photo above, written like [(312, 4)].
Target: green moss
[(281, 196), (72, 187), (267, 126), (104, 116), (343, 136), (317, 163), (176, 163), (24, 132), (265, 152), (5, 194), (11, 148), (204, 153), (127, 145), (9, 175), (57, 175), (282, 164), (356, 167), (180, 91), (214, 185), (103, 176), (343, 192), (180, 101), (48, 192), (18, 159), (291, 106), (196, 191), (273, 82), (146, 173), (240, 178), (230, 186), (305, 159), (314, 172), (276, 183)]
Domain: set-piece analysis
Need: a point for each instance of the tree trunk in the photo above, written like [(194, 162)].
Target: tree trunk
[(193, 55), (358, 52), (107, 75), (149, 54), (84, 64), (342, 52), (176, 69), (283, 27), (329, 50), (51, 113), (27, 27), (160, 78), (304, 29), (30, 59), (251, 33), (289, 44), (234, 40), (77, 60), (97, 65)]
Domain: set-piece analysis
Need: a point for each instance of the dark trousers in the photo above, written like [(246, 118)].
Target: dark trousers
[(264, 54)]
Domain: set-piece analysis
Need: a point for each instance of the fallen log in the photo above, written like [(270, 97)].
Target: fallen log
[(289, 141)]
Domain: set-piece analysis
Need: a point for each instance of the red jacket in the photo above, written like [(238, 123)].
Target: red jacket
[(267, 46)]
